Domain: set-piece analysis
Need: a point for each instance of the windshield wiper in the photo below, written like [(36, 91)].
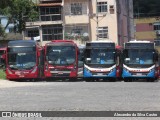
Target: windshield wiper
[(28, 68)]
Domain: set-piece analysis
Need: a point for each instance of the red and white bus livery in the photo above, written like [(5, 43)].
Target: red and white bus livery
[(23, 60), (61, 60)]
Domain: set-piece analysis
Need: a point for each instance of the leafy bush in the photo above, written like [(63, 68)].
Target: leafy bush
[(2, 74)]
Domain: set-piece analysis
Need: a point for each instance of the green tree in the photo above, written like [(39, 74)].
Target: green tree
[(16, 10)]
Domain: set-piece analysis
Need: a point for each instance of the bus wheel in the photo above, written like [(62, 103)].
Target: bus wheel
[(151, 80), (126, 80), (113, 80), (89, 79), (72, 79)]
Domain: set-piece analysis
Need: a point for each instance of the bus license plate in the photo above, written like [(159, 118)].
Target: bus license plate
[(99, 73), (21, 76), (60, 73), (139, 74)]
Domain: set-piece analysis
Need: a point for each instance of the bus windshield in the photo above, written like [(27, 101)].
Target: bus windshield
[(100, 56), (138, 57), (61, 55), (22, 60)]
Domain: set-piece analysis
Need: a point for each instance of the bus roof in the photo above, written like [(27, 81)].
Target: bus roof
[(71, 41), (61, 43), (139, 41), (21, 43), (101, 41), (81, 46)]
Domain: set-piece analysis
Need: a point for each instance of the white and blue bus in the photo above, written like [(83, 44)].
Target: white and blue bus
[(100, 61), (140, 61)]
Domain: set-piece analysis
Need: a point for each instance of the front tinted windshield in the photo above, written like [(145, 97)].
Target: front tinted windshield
[(22, 60), (61, 55), (138, 57), (100, 56)]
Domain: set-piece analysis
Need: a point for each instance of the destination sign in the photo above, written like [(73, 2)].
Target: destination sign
[(21, 49), (100, 45), (139, 45)]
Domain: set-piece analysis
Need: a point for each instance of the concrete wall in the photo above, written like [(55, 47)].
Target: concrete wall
[(104, 20)]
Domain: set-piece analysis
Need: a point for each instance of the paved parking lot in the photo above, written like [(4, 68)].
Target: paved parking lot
[(79, 96)]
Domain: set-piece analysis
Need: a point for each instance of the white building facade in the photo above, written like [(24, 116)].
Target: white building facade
[(84, 20)]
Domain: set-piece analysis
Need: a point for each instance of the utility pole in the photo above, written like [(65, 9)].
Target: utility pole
[(97, 21)]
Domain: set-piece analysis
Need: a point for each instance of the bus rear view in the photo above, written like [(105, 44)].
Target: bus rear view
[(140, 60), (100, 61), (61, 60)]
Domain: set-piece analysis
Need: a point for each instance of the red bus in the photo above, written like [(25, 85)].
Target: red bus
[(119, 62), (61, 60), (24, 60), (2, 55)]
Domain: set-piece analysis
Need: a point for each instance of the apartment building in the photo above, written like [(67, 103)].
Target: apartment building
[(147, 28), (83, 20), (99, 20), (49, 24)]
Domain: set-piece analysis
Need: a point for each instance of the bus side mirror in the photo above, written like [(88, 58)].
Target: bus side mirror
[(88, 60)]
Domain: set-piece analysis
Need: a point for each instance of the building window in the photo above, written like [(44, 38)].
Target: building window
[(77, 31), (157, 27), (102, 32), (50, 13), (50, 10), (54, 32), (76, 8), (101, 7), (33, 33)]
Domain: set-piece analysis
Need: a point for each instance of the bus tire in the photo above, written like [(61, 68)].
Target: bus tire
[(89, 79), (151, 80), (72, 79), (127, 80)]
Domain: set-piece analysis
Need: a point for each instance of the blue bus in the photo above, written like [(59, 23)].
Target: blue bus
[(100, 61), (140, 61)]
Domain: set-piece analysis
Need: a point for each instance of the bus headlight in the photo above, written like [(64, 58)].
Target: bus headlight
[(9, 71), (87, 69), (112, 70), (151, 69), (34, 70), (125, 70)]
